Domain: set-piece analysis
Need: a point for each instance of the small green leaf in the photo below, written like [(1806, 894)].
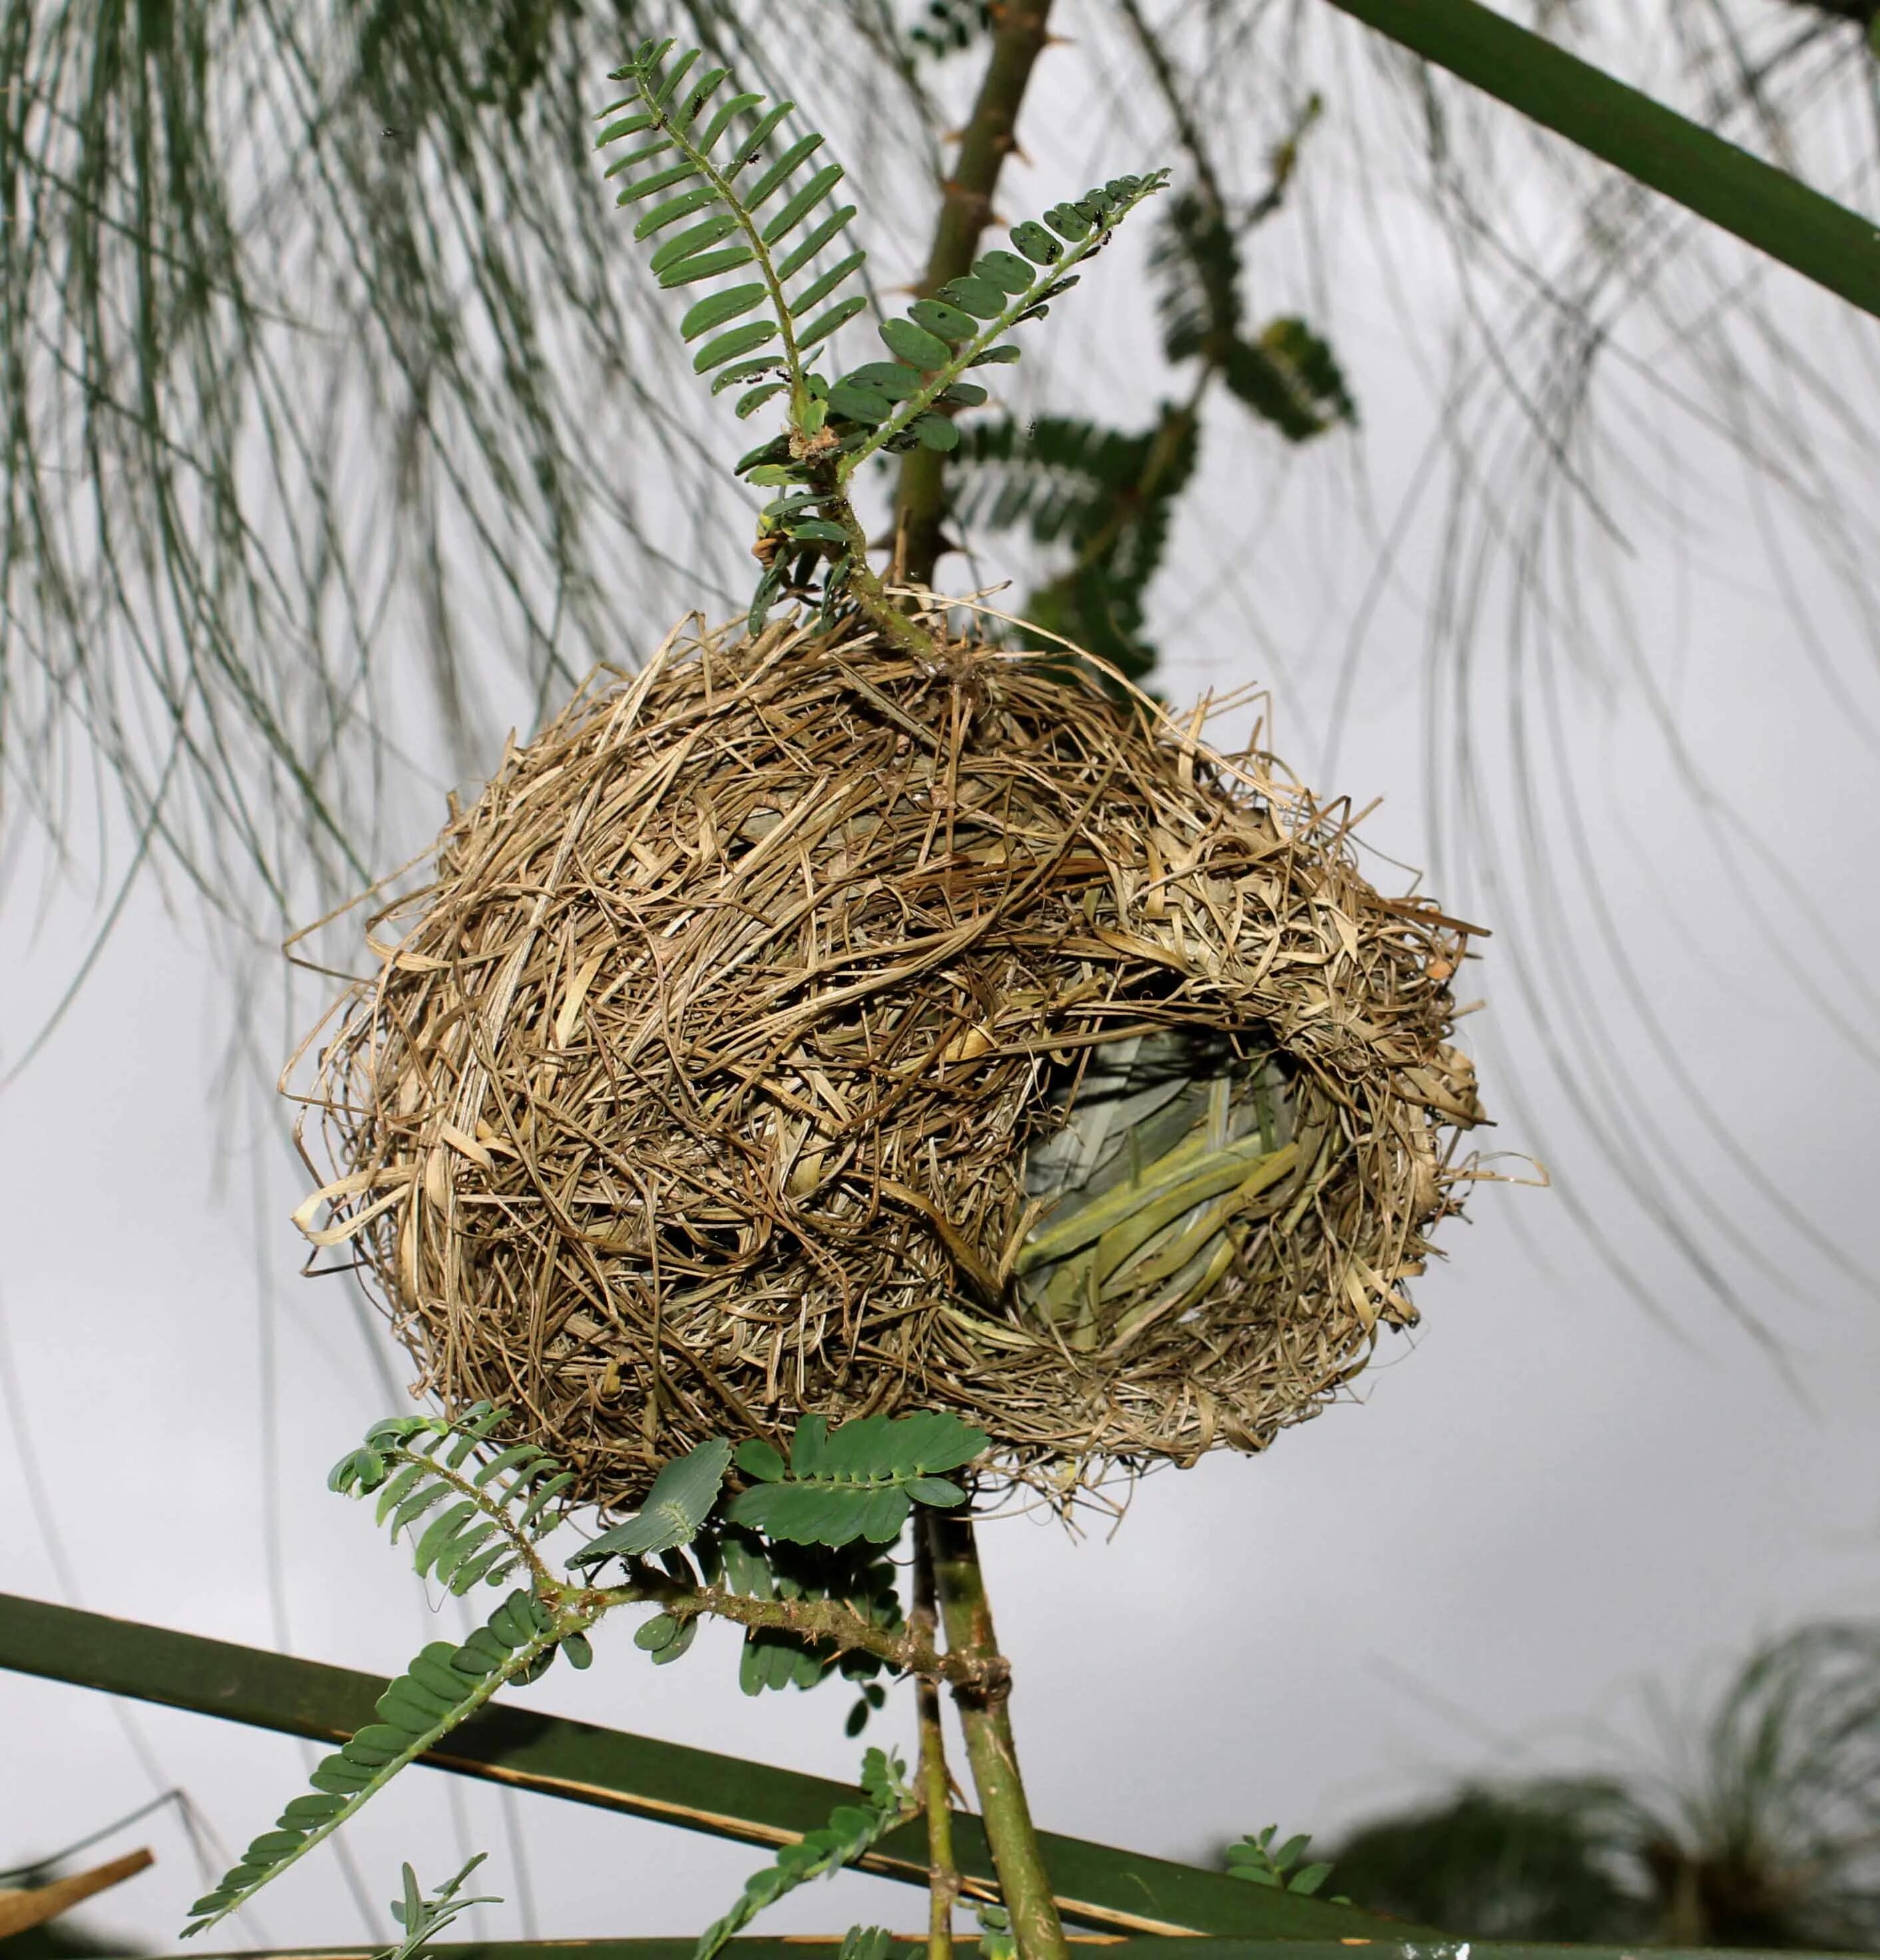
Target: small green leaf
[(677, 1505), (695, 238), (819, 528), (716, 308), (461, 1548), (914, 345), (937, 1491), (274, 1846), (729, 346), (700, 94), (580, 1654), (334, 1773), (398, 1490), (979, 297), (703, 266), (1006, 270), (659, 181), (512, 1621), (676, 1649), (759, 1459), (1000, 357), (799, 152), (814, 295), (826, 324), (749, 403), (306, 1812), (722, 119), (948, 322), (415, 1506), (802, 203), (759, 134), (740, 372), (481, 1655), (432, 1671), (935, 432), (805, 249), (1068, 222), (379, 1737), (483, 1565), (1308, 1878), (673, 209), (1036, 243), (660, 1631), (858, 405), (898, 382), (404, 1705), (440, 1532)]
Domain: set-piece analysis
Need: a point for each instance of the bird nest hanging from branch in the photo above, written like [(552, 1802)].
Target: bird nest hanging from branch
[(797, 1026)]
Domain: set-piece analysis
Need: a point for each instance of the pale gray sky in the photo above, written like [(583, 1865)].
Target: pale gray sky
[(1548, 1497)]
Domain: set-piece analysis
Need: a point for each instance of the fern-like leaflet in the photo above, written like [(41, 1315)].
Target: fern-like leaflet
[(1256, 1859), (860, 1482), (682, 154), (415, 1465), (852, 1831), (421, 1919), (473, 1509), (756, 332)]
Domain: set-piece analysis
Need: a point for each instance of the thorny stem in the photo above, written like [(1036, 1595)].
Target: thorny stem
[(943, 1873), (965, 208), (897, 627), (833, 1621), (985, 1713)]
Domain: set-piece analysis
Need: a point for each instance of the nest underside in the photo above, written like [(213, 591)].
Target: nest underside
[(695, 1092)]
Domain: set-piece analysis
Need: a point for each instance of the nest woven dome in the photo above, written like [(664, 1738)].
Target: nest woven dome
[(795, 1027)]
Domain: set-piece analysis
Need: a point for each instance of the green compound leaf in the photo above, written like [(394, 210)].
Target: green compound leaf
[(1255, 1858), (697, 145), (441, 1687), (939, 338), (422, 1918), (852, 1832), (862, 1576), (858, 1481), (676, 1507)]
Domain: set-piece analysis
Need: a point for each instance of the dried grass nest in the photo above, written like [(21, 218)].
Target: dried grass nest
[(769, 1012)]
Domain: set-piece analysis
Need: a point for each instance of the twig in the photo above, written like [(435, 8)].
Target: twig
[(833, 1622), (935, 1786)]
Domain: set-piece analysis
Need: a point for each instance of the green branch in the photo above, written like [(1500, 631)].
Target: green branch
[(833, 1623)]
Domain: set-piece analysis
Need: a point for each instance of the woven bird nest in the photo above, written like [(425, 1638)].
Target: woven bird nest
[(794, 1027)]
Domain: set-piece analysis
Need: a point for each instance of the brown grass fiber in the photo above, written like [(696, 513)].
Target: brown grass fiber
[(695, 1092)]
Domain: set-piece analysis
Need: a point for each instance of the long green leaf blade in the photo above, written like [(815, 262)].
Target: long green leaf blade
[(1765, 207)]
